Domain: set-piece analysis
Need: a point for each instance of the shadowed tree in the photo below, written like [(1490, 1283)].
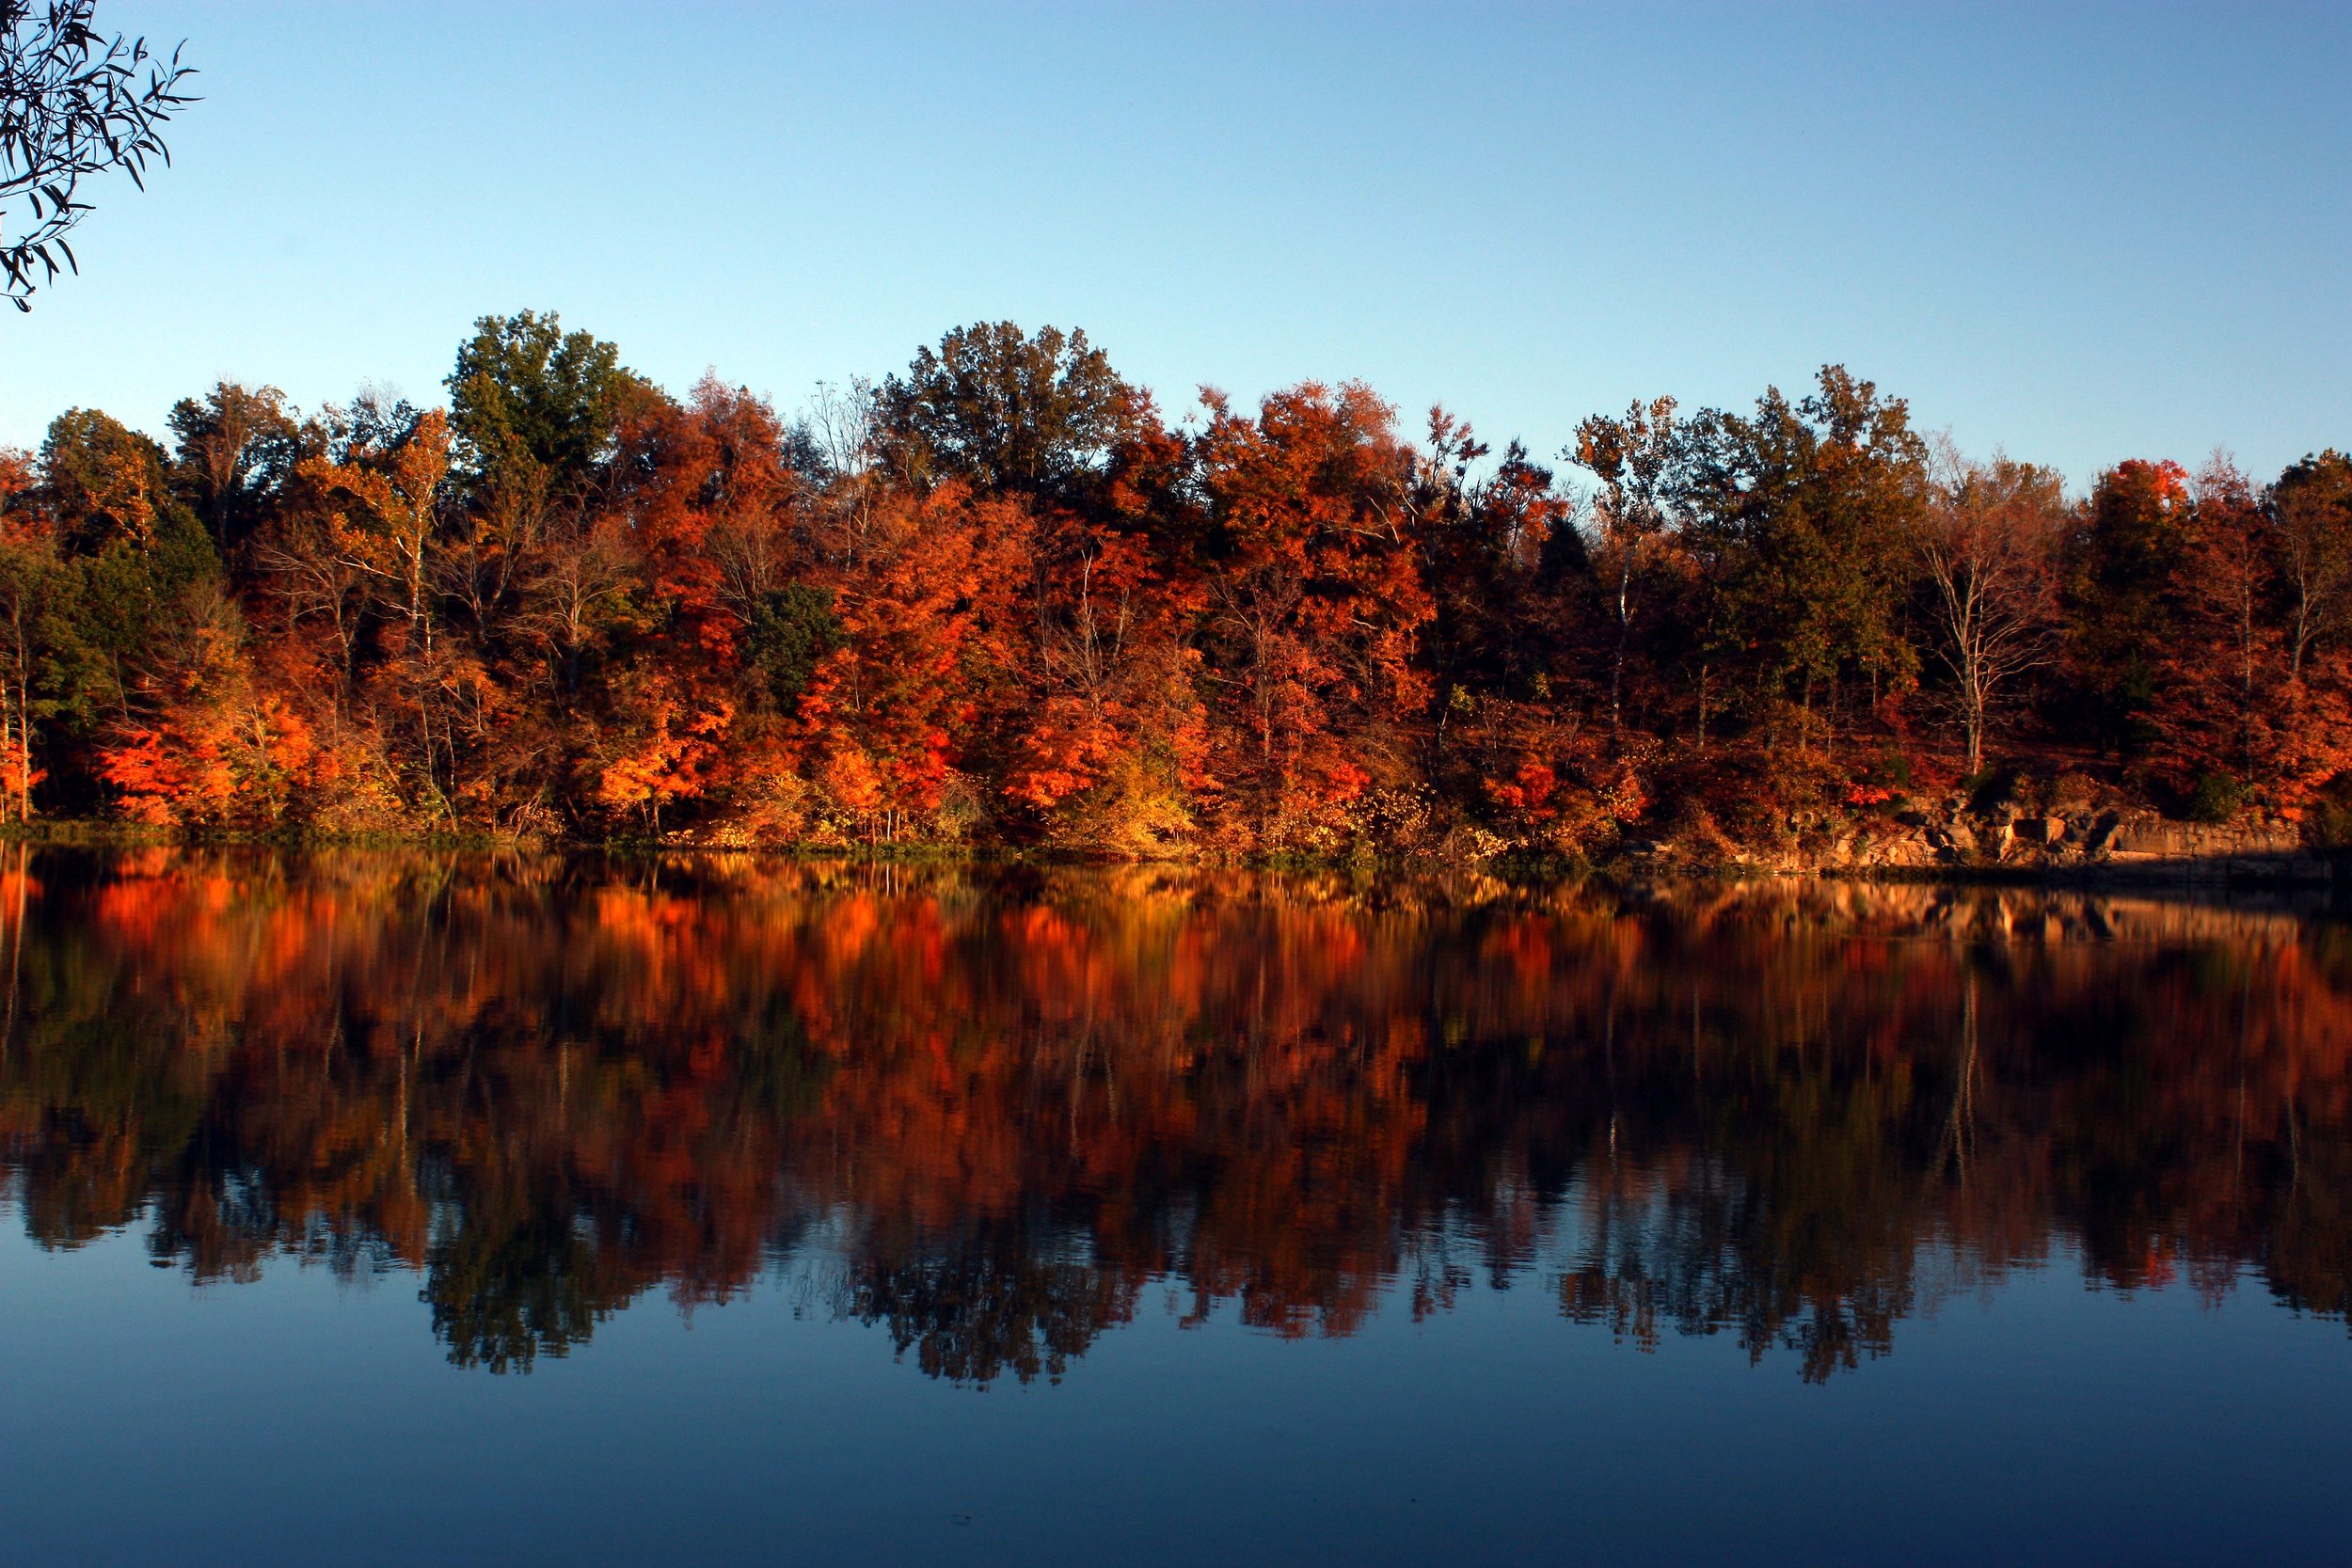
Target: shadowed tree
[(2312, 502), (2125, 552), (534, 407), (2220, 653), (30, 582), (1004, 410), (101, 481), (1803, 511), (234, 447), (1632, 458)]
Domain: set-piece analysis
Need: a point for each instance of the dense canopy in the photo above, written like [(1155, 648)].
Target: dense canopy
[(998, 599)]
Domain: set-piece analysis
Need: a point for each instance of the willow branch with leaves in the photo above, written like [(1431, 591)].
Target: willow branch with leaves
[(74, 104)]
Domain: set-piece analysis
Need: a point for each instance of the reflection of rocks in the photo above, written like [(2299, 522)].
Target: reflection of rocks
[(2012, 912)]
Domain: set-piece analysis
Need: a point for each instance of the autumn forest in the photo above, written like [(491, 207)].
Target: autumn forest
[(998, 599)]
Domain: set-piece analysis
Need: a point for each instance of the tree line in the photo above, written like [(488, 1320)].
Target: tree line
[(998, 597)]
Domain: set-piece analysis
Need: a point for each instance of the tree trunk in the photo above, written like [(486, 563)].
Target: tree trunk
[(1625, 627)]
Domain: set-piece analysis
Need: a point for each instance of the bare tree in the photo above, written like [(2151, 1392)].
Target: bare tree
[(487, 552), (1988, 544), (72, 103), (299, 563), (840, 427), (585, 574), (756, 554), (843, 439)]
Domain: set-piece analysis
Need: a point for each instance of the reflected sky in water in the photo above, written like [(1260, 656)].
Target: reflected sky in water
[(406, 1208)]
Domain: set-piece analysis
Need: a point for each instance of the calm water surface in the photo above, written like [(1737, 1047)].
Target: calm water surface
[(376, 1209)]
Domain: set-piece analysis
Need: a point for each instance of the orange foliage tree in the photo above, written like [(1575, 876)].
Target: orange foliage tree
[(999, 598)]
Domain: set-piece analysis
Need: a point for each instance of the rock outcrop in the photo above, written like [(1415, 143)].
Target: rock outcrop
[(2108, 846)]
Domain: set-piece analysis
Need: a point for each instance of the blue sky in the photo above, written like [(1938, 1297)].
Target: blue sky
[(2081, 233)]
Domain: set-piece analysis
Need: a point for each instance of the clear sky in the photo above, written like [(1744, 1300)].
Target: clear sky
[(2081, 233)]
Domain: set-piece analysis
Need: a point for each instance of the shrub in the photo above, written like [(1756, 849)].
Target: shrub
[(2215, 798), (1995, 784), (2328, 821), (2072, 794)]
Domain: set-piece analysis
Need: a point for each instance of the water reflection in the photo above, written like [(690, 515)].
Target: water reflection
[(1001, 1114)]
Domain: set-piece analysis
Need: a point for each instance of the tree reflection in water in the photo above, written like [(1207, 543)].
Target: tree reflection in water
[(996, 1112)]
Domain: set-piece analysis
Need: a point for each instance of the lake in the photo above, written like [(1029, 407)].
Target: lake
[(377, 1207)]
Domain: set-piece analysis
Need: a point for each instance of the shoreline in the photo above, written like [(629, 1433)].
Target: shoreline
[(2170, 856)]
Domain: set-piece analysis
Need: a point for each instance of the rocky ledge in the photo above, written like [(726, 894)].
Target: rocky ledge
[(2109, 845), (2113, 843)]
